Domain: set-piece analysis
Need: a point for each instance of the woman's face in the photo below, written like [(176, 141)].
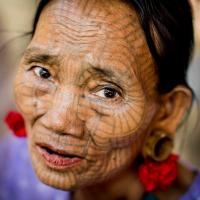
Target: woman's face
[(86, 88)]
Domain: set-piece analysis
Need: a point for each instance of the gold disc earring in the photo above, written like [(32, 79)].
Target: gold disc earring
[(158, 146)]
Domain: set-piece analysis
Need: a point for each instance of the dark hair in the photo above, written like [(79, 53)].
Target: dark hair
[(169, 33)]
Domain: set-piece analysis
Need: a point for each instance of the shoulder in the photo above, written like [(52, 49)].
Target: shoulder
[(194, 191)]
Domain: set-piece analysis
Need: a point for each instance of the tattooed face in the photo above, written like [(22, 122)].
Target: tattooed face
[(86, 88)]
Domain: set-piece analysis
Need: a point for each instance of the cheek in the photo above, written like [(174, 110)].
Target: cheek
[(116, 137), (114, 132), (116, 127), (32, 96), (108, 166)]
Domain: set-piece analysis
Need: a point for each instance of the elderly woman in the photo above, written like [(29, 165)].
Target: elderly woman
[(102, 90)]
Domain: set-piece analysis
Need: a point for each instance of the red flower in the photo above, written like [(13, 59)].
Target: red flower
[(158, 175), (15, 122)]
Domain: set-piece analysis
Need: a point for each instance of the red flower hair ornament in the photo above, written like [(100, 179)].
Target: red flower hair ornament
[(15, 123), (158, 175)]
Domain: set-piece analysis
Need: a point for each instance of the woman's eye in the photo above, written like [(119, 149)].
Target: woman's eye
[(108, 93), (42, 72)]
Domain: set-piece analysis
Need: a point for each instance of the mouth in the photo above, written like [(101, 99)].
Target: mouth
[(56, 158)]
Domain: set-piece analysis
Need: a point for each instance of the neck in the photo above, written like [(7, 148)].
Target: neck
[(124, 186), (127, 186)]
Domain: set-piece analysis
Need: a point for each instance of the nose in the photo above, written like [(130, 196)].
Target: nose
[(62, 116)]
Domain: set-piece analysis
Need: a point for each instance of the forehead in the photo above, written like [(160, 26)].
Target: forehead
[(80, 25)]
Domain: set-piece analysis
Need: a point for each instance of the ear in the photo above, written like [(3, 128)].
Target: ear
[(174, 105)]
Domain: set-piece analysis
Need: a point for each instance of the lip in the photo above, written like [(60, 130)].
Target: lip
[(56, 158)]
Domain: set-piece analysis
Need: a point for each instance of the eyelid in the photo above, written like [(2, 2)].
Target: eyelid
[(117, 100), (41, 65), (114, 86), (33, 66), (118, 94), (103, 83), (101, 87)]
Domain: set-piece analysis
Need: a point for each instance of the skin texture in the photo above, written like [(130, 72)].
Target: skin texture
[(98, 100)]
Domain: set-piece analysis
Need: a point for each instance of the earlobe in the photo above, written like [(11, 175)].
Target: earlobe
[(174, 105), (158, 146)]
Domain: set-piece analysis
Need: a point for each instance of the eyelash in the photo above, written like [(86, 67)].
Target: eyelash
[(111, 92), (107, 90), (38, 72)]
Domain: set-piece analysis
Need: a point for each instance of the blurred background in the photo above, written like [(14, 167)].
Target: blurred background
[(16, 18)]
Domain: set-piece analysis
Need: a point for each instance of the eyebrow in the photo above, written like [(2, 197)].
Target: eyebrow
[(36, 55), (103, 72), (112, 75)]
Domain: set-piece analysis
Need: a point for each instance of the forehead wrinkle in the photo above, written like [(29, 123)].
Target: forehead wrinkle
[(80, 29), (80, 9), (69, 30), (72, 14)]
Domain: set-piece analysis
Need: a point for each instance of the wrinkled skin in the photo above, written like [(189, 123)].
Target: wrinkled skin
[(86, 85)]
